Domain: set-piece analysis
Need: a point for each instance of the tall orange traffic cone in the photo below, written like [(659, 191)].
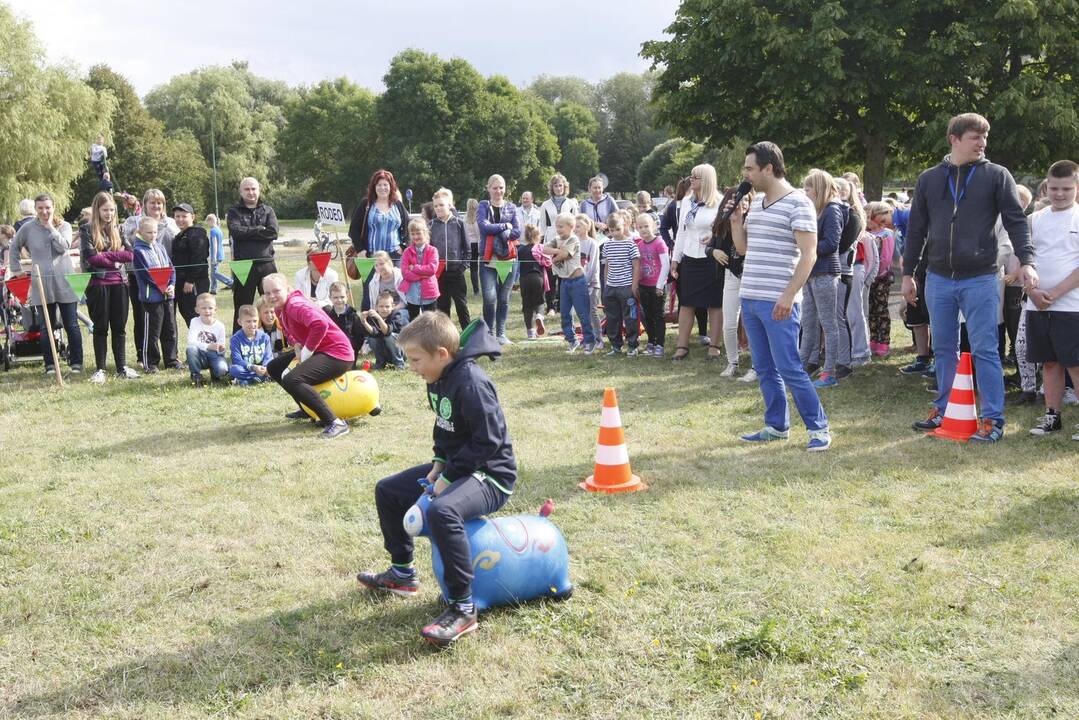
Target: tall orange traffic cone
[(961, 416), (612, 473)]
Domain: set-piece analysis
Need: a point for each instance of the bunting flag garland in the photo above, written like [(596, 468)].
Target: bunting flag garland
[(241, 269), (503, 268), (19, 287), (321, 261), (364, 266), (161, 276), (78, 282)]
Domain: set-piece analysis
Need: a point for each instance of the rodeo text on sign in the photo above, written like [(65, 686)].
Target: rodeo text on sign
[(331, 213)]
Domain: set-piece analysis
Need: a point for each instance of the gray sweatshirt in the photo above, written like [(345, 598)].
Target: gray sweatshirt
[(953, 214), (48, 248)]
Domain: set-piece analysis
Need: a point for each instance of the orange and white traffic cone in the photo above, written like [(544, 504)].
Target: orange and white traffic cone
[(961, 415), (612, 473)]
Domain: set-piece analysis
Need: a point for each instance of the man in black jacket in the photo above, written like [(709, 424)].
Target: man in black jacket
[(252, 230), (955, 208), (190, 257)]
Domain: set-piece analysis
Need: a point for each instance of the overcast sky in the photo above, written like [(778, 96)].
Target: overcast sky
[(305, 42)]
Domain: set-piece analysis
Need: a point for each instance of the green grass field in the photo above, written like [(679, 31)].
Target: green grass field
[(167, 552)]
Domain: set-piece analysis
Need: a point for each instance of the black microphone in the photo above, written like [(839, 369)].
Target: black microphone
[(740, 193)]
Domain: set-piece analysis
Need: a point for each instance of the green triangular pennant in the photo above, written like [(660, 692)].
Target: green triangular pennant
[(503, 268), (78, 282), (241, 269), (364, 266)]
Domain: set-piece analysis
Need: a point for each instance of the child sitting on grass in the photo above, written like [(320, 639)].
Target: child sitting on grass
[(250, 348), (473, 471), (268, 325), (206, 342), (344, 315), (382, 326)]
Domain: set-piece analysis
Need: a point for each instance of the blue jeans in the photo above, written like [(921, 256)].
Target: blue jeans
[(199, 360), (216, 276), (69, 318), (573, 295), (979, 302), (774, 347), (496, 299)]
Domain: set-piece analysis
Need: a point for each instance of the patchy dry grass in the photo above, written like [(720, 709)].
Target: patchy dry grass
[(167, 552)]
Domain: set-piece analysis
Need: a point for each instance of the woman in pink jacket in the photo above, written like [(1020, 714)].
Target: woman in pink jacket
[(420, 268), (324, 352)]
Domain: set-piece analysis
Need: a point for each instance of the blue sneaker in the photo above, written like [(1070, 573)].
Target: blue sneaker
[(819, 440), (825, 380), (766, 434), (989, 431)]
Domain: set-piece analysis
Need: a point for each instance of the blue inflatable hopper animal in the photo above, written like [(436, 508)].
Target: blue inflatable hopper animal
[(515, 558)]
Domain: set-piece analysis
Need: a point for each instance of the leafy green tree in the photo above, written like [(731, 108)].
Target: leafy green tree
[(442, 123), (557, 89), (50, 119), (836, 82), (248, 112), (330, 137), (579, 163), (652, 172), (628, 126), (141, 154)]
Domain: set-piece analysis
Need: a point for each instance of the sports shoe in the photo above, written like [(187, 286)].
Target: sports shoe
[(197, 381), (503, 340), (531, 335), (541, 329), (649, 349), (766, 434), (391, 582), (450, 625), (825, 380), (177, 365), (750, 376), (705, 340), (932, 422), (843, 371), (930, 372), (917, 367), (589, 348), (98, 378), (632, 352), (819, 440), (657, 351), (1049, 423), (573, 347), (1069, 397), (730, 371), (335, 429), (76, 369), (297, 414), (989, 431), (613, 352), (128, 374)]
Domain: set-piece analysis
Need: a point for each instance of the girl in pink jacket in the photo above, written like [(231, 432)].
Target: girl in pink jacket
[(420, 268), (323, 350)]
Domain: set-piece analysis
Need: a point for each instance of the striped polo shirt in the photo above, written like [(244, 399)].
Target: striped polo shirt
[(619, 256), (771, 251)]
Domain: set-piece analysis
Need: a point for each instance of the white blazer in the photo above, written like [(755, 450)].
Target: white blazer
[(322, 289)]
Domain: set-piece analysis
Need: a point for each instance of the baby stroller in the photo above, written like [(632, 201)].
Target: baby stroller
[(23, 343)]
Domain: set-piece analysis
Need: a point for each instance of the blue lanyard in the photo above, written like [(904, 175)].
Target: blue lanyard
[(959, 198)]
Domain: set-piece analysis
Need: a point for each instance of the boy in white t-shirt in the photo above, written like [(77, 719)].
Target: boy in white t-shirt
[(1052, 317), (206, 342)]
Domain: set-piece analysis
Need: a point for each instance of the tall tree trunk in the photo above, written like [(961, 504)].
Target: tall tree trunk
[(876, 149)]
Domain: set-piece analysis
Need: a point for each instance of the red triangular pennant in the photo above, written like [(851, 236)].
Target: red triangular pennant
[(161, 276), (321, 261), (441, 268), (20, 287)]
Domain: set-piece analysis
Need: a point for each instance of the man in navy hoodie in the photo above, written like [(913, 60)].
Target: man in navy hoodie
[(473, 470), (953, 213)]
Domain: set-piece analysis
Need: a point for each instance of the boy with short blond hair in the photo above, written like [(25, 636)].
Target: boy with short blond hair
[(250, 349), (472, 473), (206, 342)]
